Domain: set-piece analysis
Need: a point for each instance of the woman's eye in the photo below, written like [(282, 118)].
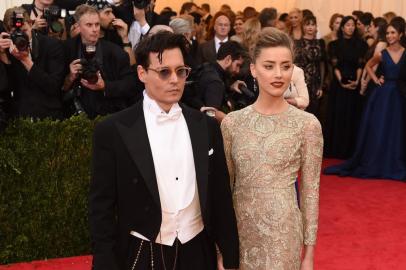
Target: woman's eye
[(287, 67), (268, 67)]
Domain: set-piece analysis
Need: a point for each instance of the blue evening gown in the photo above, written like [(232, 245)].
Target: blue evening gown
[(380, 149)]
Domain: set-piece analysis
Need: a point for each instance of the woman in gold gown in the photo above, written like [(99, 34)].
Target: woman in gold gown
[(267, 145)]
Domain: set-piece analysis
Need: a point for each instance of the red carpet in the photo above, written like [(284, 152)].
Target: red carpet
[(362, 224), (362, 227)]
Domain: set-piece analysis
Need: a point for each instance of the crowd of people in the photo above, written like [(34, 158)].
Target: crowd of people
[(277, 86)]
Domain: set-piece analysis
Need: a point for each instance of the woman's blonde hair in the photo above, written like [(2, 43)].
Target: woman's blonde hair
[(251, 30), (271, 37)]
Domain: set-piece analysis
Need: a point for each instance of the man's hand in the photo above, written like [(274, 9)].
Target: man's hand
[(39, 23), (213, 112), (139, 15), (22, 56), (5, 42), (75, 69), (121, 28), (98, 86), (319, 93), (19, 55), (236, 86)]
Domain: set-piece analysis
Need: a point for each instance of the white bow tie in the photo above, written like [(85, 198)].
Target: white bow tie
[(173, 115)]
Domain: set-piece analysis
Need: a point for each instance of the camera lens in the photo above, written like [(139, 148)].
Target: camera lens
[(21, 44), (56, 27)]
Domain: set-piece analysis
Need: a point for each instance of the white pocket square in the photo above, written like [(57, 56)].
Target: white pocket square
[(211, 151)]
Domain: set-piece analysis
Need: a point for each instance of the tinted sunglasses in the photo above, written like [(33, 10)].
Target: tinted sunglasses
[(165, 73)]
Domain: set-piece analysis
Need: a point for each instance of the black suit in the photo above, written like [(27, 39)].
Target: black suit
[(124, 193), (120, 80), (3, 95), (207, 52), (37, 93)]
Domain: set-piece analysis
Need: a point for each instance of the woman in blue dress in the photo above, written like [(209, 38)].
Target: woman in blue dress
[(380, 148)]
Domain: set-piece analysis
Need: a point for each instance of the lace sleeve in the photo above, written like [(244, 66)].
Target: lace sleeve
[(311, 152), (226, 127)]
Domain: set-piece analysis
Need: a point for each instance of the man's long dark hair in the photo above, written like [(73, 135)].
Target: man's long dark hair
[(158, 43)]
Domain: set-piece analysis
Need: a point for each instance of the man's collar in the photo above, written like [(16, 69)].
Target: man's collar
[(217, 40), (154, 107)]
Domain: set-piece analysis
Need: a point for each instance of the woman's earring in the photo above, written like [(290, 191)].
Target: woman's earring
[(255, 85)]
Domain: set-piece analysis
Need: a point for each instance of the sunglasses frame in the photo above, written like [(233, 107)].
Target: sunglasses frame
[(166, 77)]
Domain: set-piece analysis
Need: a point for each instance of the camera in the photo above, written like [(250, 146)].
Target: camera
[(140, 4), (247, 92), (19, 38), (72, 103), (242, 100), (52, 15), (90, 66)]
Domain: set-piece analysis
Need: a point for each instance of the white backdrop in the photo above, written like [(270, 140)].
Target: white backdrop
[(323, 9)]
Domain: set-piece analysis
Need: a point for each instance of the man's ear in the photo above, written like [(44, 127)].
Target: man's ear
[(228, 60), (141, 73)]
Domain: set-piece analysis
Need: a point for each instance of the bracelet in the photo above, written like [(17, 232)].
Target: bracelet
[(127, 44)]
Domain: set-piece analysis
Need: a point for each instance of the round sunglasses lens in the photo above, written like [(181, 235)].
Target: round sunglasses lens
[(165, 73), (182, 72)]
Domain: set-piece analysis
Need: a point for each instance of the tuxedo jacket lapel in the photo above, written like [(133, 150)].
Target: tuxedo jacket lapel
[(198, 135), (135, 137), (213, 49)]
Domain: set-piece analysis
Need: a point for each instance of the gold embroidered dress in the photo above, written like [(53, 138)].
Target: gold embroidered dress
[(265, 154)]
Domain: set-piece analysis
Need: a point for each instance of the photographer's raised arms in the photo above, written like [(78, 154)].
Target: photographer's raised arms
[(99, 80), (35, 66)]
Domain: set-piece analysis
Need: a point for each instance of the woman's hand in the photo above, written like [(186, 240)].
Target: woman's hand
[(380, 81), (291, 101), (306, 265)]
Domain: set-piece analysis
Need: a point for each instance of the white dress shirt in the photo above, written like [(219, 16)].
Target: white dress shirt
[(172, 154), (217, 42), (135, 33)]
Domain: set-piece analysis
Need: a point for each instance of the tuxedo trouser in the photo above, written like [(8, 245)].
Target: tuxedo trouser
[(198, 253)]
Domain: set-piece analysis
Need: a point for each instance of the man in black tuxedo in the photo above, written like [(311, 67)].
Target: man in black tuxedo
[(160, 196), (35, 69), (207, 51)]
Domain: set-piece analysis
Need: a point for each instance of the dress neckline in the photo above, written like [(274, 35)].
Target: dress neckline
[(271, 115), (391, 58)]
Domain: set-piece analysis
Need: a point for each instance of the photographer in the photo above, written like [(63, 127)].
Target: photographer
[(47, 18), (145, 18), (111, 28), (100, 80), (215, 90), (35, 68)]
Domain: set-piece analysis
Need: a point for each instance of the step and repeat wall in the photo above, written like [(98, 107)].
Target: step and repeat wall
[(323, 9)]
